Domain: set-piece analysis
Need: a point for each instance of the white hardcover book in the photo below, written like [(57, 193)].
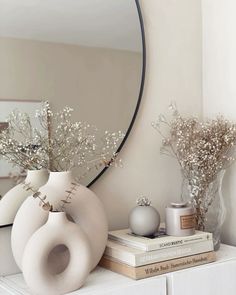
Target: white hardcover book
[(135, 257), (126, 237)]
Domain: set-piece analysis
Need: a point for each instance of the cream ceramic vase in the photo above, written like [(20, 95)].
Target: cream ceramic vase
[(85, 209), (13, 199), (58, 231)]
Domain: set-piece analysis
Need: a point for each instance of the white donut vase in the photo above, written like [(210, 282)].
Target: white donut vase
[(85, 209), (57, 231)]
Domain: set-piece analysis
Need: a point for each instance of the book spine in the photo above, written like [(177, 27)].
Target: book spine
[(144, 258), (171, 253), (160, 244), (120, 255), (180, 241), (157, 268)]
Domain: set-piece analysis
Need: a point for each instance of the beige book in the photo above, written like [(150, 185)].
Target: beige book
[(159, 268), (136, 257), (159, 242)]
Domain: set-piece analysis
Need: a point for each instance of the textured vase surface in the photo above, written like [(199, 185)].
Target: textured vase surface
[(211, 211), (85, 209), (58, 231), (13, 199)]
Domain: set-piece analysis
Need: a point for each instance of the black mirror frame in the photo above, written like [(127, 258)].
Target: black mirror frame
[(140, 91)]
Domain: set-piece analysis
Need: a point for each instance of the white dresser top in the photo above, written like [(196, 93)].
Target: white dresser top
[(105, 282)]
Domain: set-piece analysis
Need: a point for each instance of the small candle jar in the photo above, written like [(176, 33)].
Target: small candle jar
[(180, 220)]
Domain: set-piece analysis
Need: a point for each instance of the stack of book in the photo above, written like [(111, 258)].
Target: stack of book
[(141, 257)]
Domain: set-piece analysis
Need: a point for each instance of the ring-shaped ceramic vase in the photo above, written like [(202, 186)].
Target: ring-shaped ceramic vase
[(57, 231), (13, 199), (85, 209)]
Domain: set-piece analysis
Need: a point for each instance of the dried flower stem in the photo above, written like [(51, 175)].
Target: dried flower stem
[(68, 198), (36, 194)]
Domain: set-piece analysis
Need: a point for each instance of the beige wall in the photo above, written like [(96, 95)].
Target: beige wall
[(219, 86), (173, 33)]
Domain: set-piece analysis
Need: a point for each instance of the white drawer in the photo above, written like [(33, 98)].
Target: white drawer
[(100, 282), (212, 279)]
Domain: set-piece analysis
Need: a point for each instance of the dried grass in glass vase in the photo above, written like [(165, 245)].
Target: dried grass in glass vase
[(203, 149)]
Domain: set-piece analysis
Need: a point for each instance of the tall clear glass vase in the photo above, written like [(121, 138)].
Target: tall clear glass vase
[(209, 205)]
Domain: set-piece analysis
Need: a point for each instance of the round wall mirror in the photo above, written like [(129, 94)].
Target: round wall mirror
[(87, 54)]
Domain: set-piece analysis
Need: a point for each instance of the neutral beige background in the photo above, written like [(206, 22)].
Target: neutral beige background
[(219, 87), (102, 85), (173, 33)]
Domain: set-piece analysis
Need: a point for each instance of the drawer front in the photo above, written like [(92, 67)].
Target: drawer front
[(112, 285), (213, 279), (150, 287)]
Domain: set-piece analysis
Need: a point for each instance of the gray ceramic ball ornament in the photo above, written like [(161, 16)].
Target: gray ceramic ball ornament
[(144, 220)]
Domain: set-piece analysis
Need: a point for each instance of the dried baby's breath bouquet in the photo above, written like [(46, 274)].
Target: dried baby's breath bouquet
[(21, 144), (202, 149), (73, 144), (58, 143)]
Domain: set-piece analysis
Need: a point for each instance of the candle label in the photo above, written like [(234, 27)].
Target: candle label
[(187, 221)]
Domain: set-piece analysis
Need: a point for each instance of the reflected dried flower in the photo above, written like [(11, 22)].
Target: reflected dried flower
[(76, 144), (59, 144), (202, 149), (21, 143)]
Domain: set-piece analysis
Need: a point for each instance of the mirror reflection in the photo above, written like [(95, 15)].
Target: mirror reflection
[(85, 54), (6, 108)]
